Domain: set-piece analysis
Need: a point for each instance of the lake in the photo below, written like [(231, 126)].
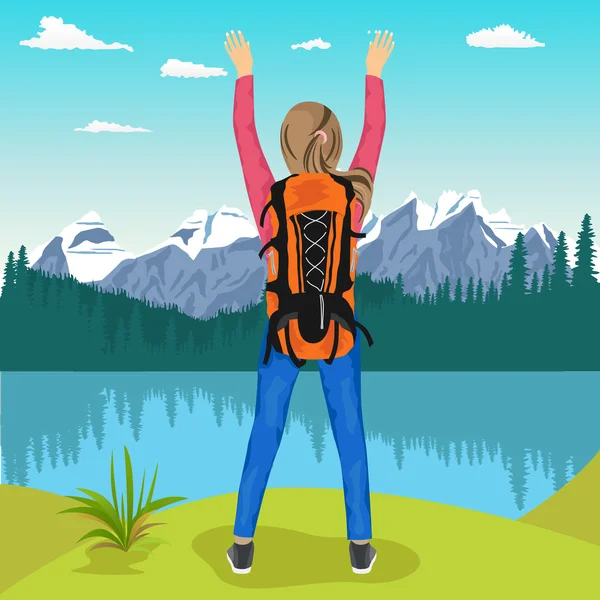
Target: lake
[(500, 443)]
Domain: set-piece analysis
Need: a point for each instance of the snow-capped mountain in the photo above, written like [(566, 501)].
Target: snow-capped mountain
[(209, 263), (84, 249), (203, 230), (456, 238), (451, 203)]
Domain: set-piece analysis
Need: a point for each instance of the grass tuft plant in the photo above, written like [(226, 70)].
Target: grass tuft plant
[(123, 528)]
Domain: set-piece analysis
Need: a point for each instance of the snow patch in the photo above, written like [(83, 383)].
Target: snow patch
[(87, 261), (204, 230)]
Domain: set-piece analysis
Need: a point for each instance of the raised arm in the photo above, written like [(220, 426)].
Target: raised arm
[(371, 140), (257, 174)]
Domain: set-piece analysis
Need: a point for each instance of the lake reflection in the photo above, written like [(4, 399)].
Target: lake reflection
[(495, 442)]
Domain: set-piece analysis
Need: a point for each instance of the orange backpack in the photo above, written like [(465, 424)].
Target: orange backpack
[(311, 268)]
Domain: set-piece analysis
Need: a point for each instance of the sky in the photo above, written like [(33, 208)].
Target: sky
[(521, 125)]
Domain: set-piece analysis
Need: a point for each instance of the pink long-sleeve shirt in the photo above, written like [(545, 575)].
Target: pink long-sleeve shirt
[(257, 174)]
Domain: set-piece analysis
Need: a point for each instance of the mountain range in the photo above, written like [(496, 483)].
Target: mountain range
[(211, 261)]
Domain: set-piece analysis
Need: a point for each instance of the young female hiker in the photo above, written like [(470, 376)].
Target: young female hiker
[(308, 223)]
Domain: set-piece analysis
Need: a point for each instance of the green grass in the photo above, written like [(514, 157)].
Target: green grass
[(426, 550), (123, 528)]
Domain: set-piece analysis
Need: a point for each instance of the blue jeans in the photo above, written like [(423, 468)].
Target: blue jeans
[(341, 385)]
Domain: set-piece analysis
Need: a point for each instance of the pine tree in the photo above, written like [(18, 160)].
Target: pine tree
[(492, 294), (69, 300), (479, 295), (36, 289), (22, 275), (427, 300), (190, 344), (120, 345), (399, 289), (97, 327), (53, 293), (559, 281), (518, 269), (137, 342), (504, 286), (583, 272), (458, 292), (545, 289), (170, 340), (446, 292), (470, 299), (439, 294), (10, 276), (534, 289), (22, 261)]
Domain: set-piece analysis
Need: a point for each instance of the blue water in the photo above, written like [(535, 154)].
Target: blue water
[(495, 442)]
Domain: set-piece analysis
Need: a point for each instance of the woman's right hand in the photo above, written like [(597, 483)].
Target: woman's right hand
[(379, 51), (239, 52)]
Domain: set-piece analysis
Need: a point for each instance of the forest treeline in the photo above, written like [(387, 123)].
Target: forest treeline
[(528, 323)]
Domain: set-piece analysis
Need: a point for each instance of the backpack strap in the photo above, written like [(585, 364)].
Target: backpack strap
[(336, 341), (265, 210), (268, 245), (274, 343), (267, 351), (365, 332), (272, 337), (344, 280), (298, 362), (280, 240)]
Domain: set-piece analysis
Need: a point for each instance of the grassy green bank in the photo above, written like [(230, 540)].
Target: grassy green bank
[(425, 550)]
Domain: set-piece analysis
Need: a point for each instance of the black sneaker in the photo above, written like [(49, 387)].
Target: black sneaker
[(240, 558), (362, 557)]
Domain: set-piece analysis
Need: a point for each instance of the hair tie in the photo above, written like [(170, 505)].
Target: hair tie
[(320, 132)]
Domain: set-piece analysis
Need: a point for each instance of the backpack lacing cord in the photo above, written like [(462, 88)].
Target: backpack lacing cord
[(315, 242), (316, 267)]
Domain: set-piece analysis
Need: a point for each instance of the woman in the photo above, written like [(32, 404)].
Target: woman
[(311, 143)]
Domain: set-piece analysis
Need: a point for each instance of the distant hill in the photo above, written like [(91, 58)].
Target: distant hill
[(575, 509)]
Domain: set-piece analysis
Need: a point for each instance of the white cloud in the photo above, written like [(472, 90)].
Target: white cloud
[(177, 68), (99, 126), (503, 36), (318, 43), (58, 35)]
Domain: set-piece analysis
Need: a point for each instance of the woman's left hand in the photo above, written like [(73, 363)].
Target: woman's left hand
[(239, 52), (379, 51)]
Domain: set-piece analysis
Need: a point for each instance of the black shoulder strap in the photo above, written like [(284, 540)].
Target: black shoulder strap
[(264, 212), (298, 362), (365, 332), (280, 286), (336, 342), (277, 191), (347, 184), (272, 340), (268, 245), (344, 280)]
